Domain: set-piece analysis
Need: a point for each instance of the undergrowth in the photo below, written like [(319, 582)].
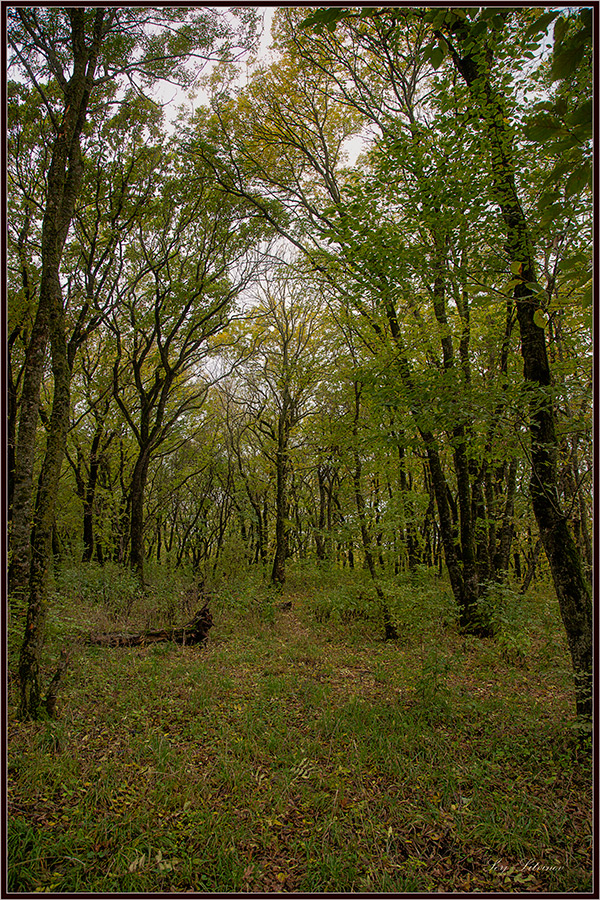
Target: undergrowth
[(299, 751)]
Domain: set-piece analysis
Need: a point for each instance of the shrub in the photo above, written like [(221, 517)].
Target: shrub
[(503, 610), (112, 586)]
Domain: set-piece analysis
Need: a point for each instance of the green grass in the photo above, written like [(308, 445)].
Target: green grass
[(298, 752)]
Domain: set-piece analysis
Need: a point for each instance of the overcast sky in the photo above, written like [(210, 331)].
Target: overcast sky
[(173, 97)]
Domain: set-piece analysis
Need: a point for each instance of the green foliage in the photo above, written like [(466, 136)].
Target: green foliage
[(506, 611), (338, 596), (113, 587), (431, 689)]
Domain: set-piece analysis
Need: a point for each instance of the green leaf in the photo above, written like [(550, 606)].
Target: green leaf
[(581, 115), (540, 318), (551, 213), (543, 128), (578, 180), (434, 53), (566, 63), (437, 57), (541, 24), (325, 17), (560, 27), (547, 199), (561, 107), (586, 297)]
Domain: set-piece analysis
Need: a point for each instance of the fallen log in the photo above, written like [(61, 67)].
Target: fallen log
[(195, 632)]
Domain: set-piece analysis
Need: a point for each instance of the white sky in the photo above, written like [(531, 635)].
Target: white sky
[(174, 97)]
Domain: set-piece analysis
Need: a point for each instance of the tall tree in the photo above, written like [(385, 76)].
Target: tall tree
[(189, 262), (70, 46), (473, 40), (280, 376), (473, 56)]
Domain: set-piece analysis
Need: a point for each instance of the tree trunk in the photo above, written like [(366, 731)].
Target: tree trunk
[(320, 540), (41, 541), (136, 521), (281, 535), (531, 566), (502, 556), (389, 628), (195, 632), (574, 595), (90, 489), (63, 185), (20, 542), (463, 581)]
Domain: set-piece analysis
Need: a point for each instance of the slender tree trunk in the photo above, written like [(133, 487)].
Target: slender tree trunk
[(320, 540), (531, 566), (90, 488), (573, 592), (136, 522), (412, 543), (281, 536), (41, 543), (20, 544), (507, 529), (463, 581), (63, 186), (389, 628)]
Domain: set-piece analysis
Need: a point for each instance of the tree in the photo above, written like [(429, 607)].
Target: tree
[(189, 262), (473, 58), (394, 236), (280, 375), (70, 46), (471, 39)]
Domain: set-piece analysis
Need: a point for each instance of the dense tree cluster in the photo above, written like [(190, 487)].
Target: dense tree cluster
[(228, 344)]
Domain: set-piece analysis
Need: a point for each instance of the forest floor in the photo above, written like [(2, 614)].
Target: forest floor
[(296, 755)]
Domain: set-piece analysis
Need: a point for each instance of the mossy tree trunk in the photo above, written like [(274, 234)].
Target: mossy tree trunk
[(63, 186), (281, 493), (473, 61), (389, 628)]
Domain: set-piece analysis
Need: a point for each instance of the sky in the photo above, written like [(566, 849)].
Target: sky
[(174, 97)]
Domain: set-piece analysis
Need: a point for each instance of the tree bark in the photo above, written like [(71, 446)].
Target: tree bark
[(195, 632), (90, 488), (463, 582), (20, 543), (136, 522), (389, 628), (281, 503), (573, 592), (63, 186)]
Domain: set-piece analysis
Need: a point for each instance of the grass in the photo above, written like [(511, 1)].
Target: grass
[(298, 752)]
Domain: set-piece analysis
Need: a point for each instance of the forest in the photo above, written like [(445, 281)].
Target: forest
[(299, 449)]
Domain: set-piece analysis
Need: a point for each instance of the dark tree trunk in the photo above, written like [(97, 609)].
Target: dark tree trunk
[(136, 521), (12, 411), (483, 533), (18, 573), (507, 529), (63, 185), (389, 628), (531, 566), (412, 543), (572, 590), (320, 541), (281, 500), (21, 455), (90, 488), (463, 577)]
